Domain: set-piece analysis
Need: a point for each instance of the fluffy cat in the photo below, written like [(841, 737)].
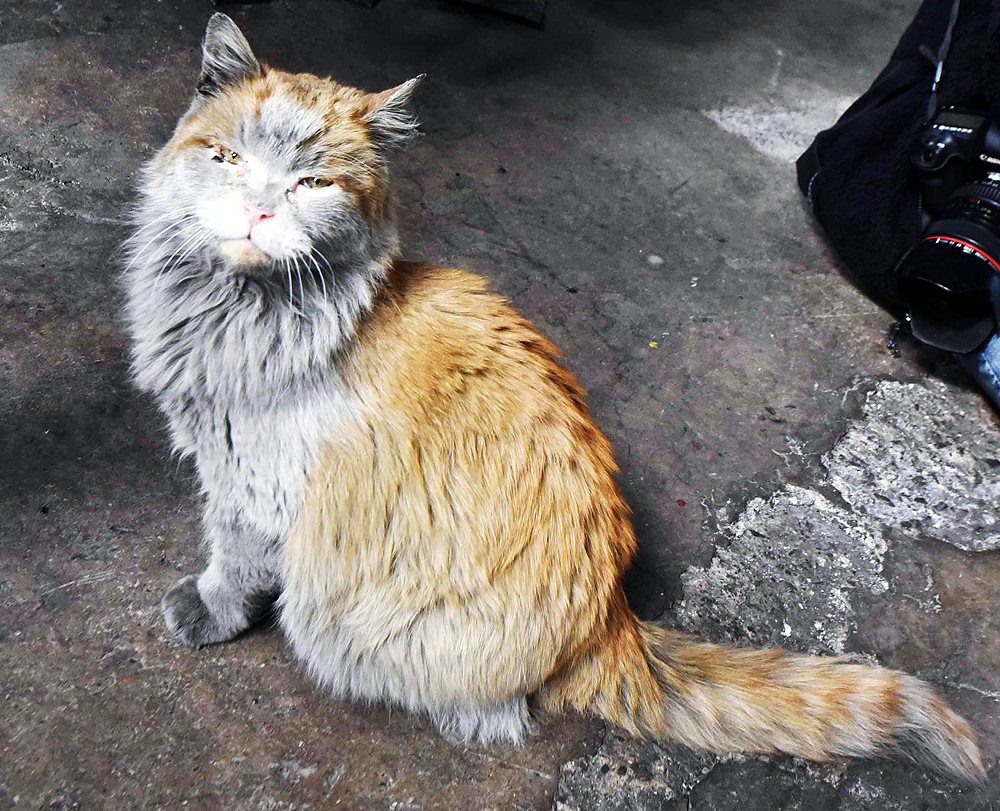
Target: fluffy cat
[(395, 454)]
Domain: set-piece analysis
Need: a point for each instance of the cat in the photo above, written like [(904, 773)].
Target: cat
[(395, 455)]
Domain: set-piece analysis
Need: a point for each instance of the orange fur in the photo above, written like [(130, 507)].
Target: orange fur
[(470, 511)]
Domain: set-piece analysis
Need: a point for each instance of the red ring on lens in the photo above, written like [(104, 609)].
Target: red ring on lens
[(975, 248)]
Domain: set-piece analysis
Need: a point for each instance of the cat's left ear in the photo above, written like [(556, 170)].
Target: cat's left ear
[(390, 120), (226, 56)]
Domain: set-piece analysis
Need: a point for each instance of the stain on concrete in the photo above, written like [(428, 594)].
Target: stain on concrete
[(779, 131)]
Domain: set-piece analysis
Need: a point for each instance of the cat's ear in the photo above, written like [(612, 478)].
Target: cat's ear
[(388, 116), (226, 56)]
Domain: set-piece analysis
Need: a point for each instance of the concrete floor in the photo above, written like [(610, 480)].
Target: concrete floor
[(625, 176)]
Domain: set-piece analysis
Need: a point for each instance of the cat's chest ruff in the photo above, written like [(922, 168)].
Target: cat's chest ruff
[(258, 461)]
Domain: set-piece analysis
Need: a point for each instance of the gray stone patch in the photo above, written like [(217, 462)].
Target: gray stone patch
[(787, 574), (291, 771), (626, 774), (331, 780), (758, 783), (925, 460)]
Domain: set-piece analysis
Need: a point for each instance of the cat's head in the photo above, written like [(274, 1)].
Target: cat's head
[(267, 168)]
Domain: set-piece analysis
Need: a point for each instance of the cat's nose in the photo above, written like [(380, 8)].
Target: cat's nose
[(257, 215)]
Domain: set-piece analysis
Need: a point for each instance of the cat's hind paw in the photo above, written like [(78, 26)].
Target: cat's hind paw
[(504, 722)]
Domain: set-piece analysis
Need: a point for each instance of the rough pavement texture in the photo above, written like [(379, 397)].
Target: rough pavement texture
[(787, 574), (624, 175), (921, 464)]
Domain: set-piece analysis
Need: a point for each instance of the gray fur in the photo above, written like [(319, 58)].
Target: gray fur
[(504, 722), (243, 364)]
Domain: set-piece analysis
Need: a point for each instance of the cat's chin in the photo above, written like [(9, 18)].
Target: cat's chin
[(242, 253)]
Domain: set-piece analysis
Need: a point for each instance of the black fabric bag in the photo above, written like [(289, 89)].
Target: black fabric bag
[(857, 175)]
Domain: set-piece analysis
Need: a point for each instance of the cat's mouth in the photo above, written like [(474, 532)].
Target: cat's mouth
[(243, 253)]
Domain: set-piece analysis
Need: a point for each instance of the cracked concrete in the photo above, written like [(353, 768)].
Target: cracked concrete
[(905, 466), (786, 574), (623, 174)]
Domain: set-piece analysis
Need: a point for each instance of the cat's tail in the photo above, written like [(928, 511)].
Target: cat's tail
[(659, 683)]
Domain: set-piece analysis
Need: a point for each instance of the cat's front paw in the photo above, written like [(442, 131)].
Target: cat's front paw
[(186, 614)]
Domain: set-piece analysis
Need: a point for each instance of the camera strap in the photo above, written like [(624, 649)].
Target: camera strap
[(939, 59)]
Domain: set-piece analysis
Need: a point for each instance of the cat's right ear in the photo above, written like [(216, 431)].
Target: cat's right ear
[(226, 56)]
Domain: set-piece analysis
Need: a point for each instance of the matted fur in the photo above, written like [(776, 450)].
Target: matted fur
[(398, 454)]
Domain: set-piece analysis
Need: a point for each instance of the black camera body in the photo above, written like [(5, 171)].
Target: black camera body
[(950, 275), (957, 147)]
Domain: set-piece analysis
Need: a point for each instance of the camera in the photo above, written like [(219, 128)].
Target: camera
[(948, 278)]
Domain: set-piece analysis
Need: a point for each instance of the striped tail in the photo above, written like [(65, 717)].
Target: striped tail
[(659, 683)]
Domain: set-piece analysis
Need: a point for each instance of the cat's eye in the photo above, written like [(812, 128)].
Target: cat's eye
[(315, 182), (223, 153)]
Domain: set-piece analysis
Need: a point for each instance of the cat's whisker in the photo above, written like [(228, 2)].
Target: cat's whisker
[(298, 272), (155, 242), (175, 220), (136, 236), (198, 242), (309, 270), (190, 244), (284, 263), (184, 233), (319, 271), (288, 272), (316, 252), (172, 215)]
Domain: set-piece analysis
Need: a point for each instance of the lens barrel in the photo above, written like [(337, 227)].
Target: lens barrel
[(945, 278)]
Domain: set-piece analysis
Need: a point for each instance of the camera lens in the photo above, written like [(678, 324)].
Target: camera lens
[(977, 202), (945, 278)]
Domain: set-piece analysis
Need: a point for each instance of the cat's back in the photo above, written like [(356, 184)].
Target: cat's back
[(441, 346)]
